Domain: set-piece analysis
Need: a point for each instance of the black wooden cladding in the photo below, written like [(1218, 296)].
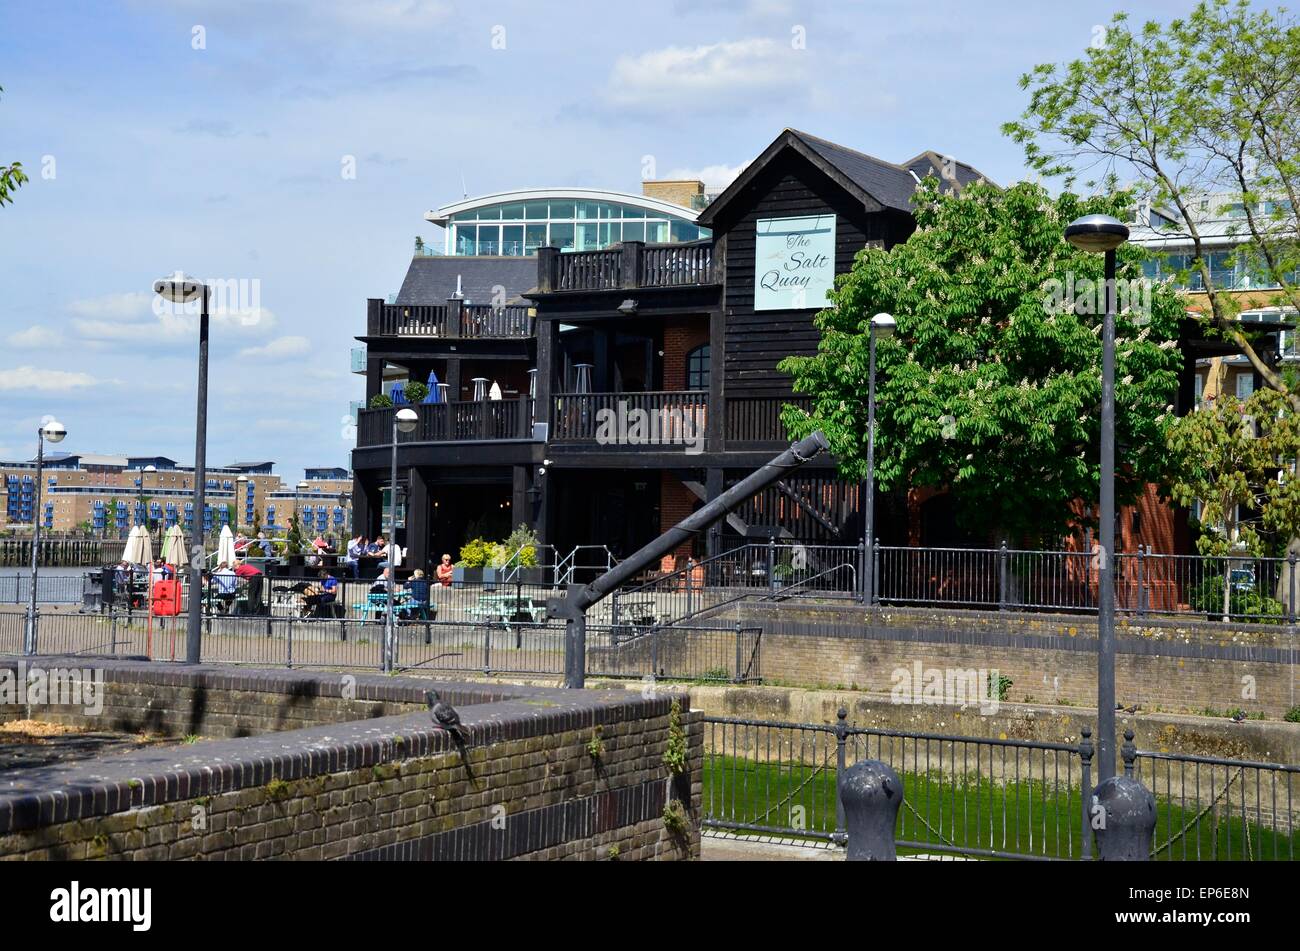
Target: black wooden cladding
[(455, 421), (756, 341), (453, 320)]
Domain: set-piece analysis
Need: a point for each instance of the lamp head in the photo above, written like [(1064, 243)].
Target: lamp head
[(884, 325), (1096, 233), (407, 420), (53, 431), (178, 288)]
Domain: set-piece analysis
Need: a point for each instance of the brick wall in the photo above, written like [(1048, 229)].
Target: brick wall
[(675, 503), (384, 787), (1180, 667), (681, 336), (678, 191)]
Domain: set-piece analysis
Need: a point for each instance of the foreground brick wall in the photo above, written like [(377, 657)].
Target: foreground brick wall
[(388, 787)]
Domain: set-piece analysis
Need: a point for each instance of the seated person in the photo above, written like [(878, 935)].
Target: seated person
[(418, 590), (327, 589), (224, 583), (446, 571), (356, 548)]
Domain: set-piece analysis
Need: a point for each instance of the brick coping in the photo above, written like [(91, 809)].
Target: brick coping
[(64, 792)]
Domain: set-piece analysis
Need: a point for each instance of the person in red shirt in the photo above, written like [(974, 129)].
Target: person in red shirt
[(445, 571), (252, 581)]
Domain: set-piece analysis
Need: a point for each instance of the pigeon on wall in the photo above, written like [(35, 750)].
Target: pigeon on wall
[(445, 716)]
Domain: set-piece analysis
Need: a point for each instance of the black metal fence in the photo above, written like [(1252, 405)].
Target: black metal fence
[(50, 589), (992, 798)]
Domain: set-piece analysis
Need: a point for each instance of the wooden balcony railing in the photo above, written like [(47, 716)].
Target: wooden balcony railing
[(632, 264), (457, 421), (655, 419), (454, 320), (757, 419)]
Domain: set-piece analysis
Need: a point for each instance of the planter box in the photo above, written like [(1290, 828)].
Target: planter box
[(484, 576)]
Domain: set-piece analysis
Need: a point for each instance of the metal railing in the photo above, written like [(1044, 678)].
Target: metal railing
[(987, 797), (50, 589)]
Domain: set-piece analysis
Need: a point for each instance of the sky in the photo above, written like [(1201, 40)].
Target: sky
[(290, 149)]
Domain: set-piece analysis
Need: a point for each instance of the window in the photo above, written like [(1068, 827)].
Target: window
[(1245, 385), (1199, 393), (697, 368)]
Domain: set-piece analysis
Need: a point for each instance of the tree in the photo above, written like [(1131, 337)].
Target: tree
[(991, 386), (1209, 104), (11, 176), (1226, 456)]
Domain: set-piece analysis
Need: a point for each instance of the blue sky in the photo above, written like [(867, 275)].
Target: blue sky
[(148, 155)]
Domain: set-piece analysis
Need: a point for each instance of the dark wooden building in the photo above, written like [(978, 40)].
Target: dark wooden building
[(654, 380)]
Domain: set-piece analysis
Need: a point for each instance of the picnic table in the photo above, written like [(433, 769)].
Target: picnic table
[(507, 608)]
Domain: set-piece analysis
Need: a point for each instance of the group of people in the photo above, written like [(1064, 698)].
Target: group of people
[(362, 547)]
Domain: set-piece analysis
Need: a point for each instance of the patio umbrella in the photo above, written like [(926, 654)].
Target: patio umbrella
[(435, 394), (398, 394), (226, 546), (131, 552), (173, 547), (495, 392)]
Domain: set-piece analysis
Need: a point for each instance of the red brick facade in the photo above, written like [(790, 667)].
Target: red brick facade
[(681, 336), (675, 503)]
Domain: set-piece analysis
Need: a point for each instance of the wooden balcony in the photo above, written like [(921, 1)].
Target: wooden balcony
[(630, 265), (652, 420), (755, 421), (457, 421), (454, 320)]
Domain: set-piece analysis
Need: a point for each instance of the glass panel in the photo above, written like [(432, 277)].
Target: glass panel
[(587, 237), (465, 216), (1245, 385), (611, 232), (512, 240), (491, 213), (630, 212), (562, 209), (535, 209), (534, 238), (611, 211), (465, 237), (634, 231), (489, 239), (684, 231), (656, 232), (512, 212), (562, 235), (588, 209)]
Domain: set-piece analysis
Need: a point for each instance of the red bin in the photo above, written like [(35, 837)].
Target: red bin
[(167, 598)]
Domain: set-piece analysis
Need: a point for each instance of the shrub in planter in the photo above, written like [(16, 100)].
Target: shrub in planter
[(475, 553), (416, 391), (381, 401)]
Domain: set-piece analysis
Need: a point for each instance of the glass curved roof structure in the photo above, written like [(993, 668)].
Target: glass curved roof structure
[(517, 223)]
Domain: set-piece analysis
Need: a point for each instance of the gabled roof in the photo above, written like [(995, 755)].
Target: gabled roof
[(873, 181), (431, 280)]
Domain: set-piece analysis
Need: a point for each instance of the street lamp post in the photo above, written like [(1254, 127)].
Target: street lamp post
[(241, 500), (54, 432), (404, 421), (1102, 233), (297, 509), (882, 325), (181, 290)]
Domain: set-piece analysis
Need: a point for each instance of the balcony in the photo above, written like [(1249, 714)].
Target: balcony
[(755, 421), (454, 320), (458, 421), (633, 264), (653, 419)]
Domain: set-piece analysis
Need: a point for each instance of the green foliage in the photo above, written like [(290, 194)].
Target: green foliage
[(1201, 105), (520, 548), (675, 820), (596, 745), (1293, 715), (675, 752), (415, 391), (1000, 687), (1226, 456), (991, 386), (475, 553), (381, 401), (11, 176), (295, 544), (1207, 596)]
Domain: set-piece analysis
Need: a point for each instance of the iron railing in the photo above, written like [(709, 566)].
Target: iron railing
[(50, 589), (989, 797)]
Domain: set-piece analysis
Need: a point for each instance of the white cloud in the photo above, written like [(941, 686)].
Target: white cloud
[(714, 176), (751, 71), (142, 317), (278, 349), (31, 379), (35, 337)]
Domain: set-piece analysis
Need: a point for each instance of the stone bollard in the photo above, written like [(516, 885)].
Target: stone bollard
[(1127, 818), (871, 794)]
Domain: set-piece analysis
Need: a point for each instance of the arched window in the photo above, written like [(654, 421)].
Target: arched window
[(697, 368)]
